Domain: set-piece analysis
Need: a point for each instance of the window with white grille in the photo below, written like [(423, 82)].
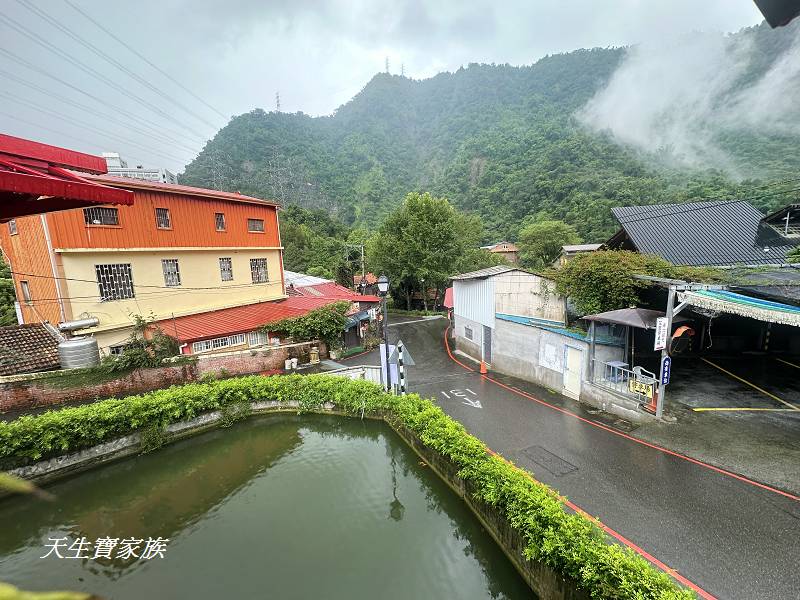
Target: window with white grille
[(219, 220), (258, 270), (226, 269), (468, 333), (217, 343), (257, 338), (255, 225), (172, 275), (115, 281), (26, 291), (117, 350), (12, 227), (163, 220), (101, 215)]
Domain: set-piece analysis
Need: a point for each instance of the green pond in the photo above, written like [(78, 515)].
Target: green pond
[(277, 507)]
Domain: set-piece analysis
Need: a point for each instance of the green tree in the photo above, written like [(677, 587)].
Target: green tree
[(794, 255), (601, 281), (540, 242), (425, 239), (8, 316)]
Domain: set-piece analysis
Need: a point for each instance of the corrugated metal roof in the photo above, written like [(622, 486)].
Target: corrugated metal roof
[(703, 233), (131, 183), (301, 279), (488, 272), (581, 247), (238, 319)]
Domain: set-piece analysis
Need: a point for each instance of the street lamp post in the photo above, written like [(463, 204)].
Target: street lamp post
[(383, 290)]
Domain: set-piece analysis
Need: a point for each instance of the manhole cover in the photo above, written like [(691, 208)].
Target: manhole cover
[(549, 461)]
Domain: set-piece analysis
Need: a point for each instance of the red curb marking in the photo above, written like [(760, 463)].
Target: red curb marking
[(624, 435), (618, 536), (700, 591)]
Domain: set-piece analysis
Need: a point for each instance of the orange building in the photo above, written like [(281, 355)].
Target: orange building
[(176, 251)]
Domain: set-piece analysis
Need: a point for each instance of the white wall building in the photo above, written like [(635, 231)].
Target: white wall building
[(119, 168), (515, 322)]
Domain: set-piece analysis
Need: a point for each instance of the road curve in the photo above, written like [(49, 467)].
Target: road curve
[(727, 537)]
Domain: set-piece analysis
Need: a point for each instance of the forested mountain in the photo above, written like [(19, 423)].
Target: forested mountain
[(507, 143)]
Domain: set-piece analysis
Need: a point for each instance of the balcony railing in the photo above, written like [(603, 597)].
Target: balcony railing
[(636, 383)]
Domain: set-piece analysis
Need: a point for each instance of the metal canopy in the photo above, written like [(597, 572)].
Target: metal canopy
[(34, 179), (639, 318)]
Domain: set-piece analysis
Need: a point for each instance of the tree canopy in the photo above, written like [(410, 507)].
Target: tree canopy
[(540, 242)]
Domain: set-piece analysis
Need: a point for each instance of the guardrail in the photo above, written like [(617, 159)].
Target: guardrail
[(368, 372), (635, 383)]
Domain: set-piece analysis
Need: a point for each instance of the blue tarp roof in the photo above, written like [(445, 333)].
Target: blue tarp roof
[(554, 327)]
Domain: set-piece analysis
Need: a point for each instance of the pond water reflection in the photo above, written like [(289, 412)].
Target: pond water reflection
[(274, 507)]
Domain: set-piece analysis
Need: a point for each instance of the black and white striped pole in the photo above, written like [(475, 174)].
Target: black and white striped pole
[(400, 370)]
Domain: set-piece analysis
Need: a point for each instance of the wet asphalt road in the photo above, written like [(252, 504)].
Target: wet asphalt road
[(731, 538)]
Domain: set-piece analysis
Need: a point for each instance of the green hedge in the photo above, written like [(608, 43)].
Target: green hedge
[(570, 543)]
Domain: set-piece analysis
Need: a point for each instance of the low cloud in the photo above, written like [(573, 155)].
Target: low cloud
[(673, 98)]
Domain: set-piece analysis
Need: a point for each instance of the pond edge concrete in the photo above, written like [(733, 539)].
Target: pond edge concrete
[(541, 578)]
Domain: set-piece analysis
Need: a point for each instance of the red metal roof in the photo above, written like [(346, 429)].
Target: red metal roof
[(238, 319), (174, 188), (331, 289), (33, 179)]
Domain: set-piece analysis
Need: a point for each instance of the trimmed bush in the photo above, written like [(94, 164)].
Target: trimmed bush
[(570, 543)]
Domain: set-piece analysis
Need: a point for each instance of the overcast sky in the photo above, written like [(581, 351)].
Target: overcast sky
[(235, 55)]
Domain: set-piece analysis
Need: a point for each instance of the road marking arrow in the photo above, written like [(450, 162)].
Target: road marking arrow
[(472, 403)]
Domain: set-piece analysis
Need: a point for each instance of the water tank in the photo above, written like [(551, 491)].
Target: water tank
[(79, 352)]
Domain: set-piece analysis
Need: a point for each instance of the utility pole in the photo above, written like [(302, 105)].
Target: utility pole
[(387, 64), (277, 101), (786, 227)]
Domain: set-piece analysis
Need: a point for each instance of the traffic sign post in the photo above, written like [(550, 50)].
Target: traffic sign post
[(666, 370)]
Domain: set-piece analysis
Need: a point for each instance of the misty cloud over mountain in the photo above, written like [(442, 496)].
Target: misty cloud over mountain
[(679, 99)]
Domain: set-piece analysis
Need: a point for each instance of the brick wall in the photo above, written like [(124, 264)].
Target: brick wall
[(37, 391)]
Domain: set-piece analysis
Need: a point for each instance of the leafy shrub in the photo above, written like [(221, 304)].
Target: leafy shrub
[(325, 323), (570, 543), (601, 281)]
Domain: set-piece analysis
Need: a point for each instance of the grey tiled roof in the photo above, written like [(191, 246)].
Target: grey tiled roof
[(703, 233), (27, 349)]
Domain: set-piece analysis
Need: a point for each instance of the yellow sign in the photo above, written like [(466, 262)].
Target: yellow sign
[(637, 387)]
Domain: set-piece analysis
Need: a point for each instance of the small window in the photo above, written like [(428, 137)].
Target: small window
[(26, 291), (115, 281), (163, 220), (226, 269), (117, 350), (101, 215), (468, 333), (258, 270), (255, 225), (257, 338), (172, 275), (218, 343), (12, 227), (219, 220)]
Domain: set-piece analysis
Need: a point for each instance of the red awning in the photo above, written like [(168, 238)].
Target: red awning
[(34, 179)]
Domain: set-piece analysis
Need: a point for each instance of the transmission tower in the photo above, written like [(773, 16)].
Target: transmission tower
[(278, 101), (387, 64), (402, 70)]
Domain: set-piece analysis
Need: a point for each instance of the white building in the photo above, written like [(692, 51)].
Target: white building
[(515, 322), (119, 168)]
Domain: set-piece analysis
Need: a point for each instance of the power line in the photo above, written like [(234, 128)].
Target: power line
[(19, 28), (161, 287), (19, 60), (87, 125), (152, 133), (137, 53), (98, 52)]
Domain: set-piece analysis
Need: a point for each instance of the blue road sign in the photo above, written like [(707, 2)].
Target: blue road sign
[(666, 369)]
